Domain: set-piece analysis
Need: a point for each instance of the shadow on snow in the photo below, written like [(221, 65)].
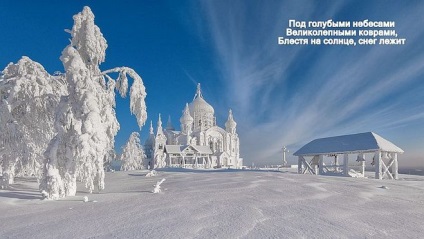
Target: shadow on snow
[(20, 195), (220, 170)]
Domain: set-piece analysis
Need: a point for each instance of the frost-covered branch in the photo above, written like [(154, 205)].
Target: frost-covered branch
[(137, 91)]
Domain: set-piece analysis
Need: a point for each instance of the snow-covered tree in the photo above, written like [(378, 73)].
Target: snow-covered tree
[(11, 138), (110, 156), (132, 154), (29, 98), (86, 123)]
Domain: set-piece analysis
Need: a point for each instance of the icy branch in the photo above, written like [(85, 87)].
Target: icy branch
[(137, 91)]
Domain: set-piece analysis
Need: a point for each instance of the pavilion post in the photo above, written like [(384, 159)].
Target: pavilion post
[(321, 164), (378, 166), (346, 164), (299, 164), (395, 166), (362, 157), (336, 163)]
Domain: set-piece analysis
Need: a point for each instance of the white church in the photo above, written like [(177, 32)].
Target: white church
[(199, 144)]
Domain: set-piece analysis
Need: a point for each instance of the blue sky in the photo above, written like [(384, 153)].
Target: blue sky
[(280, 95)]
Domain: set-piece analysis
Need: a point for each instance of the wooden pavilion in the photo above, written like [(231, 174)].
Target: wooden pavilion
[(384, 155)]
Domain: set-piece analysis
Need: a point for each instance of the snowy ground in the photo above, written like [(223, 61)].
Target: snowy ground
[(221, 204)]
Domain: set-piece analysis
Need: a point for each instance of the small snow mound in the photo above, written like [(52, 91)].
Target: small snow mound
[(44, 194), (152, 173), (156, 188), (85, 199), (355, 174), (384, 187)]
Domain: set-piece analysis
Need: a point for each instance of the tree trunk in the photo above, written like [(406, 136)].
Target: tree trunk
[(52, 186), (9, 173), (70, 184)]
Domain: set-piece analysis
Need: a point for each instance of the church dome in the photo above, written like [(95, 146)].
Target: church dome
[(186, 117), (230, 124), (202, 112), (199, 105)]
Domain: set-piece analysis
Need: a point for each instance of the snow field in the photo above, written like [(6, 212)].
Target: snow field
[(220, 204)]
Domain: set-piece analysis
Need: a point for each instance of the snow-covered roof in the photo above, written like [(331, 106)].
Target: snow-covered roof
[(173, 149), (203, 149), (353, 143), (176, 149)]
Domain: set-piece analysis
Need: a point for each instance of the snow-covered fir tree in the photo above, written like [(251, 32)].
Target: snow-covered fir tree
[(29, 98), (86, 123), (10, 138), (132, 154), (110, 156)]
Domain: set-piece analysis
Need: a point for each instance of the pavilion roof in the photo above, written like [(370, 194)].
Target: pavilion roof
[(353, 143)]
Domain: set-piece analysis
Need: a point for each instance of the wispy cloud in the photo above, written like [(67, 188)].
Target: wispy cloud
[(190, 77), (290, 95)]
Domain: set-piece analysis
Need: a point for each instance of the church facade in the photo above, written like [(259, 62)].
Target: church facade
[(199, 143)]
